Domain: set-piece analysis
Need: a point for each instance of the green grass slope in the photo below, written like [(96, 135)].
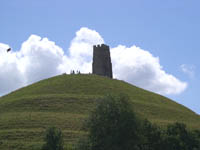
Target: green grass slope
[(64, 101)]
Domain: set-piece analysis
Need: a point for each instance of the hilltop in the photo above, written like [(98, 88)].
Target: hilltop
[(65, 101)]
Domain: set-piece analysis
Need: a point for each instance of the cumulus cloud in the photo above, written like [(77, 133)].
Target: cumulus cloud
[(36, 60), (81, 50), (41, 58), (10, 76), (188, 70), (141, 68)]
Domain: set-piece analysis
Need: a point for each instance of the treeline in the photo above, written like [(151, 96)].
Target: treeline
[(113, 125)]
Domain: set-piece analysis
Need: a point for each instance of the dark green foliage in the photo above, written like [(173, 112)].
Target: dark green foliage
[(83, 144), (177, 137), (113, 125), (150, 136), (197, 137), (53, 139)]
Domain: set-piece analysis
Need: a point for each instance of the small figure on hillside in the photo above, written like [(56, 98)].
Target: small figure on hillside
[(71, 72), (78, 72)]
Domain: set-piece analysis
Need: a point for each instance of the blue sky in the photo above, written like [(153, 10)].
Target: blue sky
[(166, 29)]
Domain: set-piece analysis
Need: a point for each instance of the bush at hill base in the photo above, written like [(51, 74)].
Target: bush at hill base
[(113, 125)]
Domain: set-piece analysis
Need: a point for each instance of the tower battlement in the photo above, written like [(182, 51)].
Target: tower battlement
[(99, 46), (101, 60)]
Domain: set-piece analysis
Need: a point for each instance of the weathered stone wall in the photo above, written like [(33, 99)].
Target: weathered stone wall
[(101, 61)]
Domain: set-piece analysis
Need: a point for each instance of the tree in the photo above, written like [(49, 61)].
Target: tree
[(150, 136), (53, 139), (179, 138), (113, 125)]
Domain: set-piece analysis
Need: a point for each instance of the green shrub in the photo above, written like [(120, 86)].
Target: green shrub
[(53, 139), (177, 137), (113, 125), (150, 136)]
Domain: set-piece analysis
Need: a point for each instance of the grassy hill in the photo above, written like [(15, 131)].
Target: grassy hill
[(64, 101)]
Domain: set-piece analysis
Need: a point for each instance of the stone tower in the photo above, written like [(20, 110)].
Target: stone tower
[(101, 61)]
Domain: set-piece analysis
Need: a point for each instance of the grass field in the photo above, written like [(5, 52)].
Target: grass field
[(65, 101)]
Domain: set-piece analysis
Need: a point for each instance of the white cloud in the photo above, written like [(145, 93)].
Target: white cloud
[(188, 70), (36, 60), (142, 69), (10, 76), (81, 50), (40, 58)]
